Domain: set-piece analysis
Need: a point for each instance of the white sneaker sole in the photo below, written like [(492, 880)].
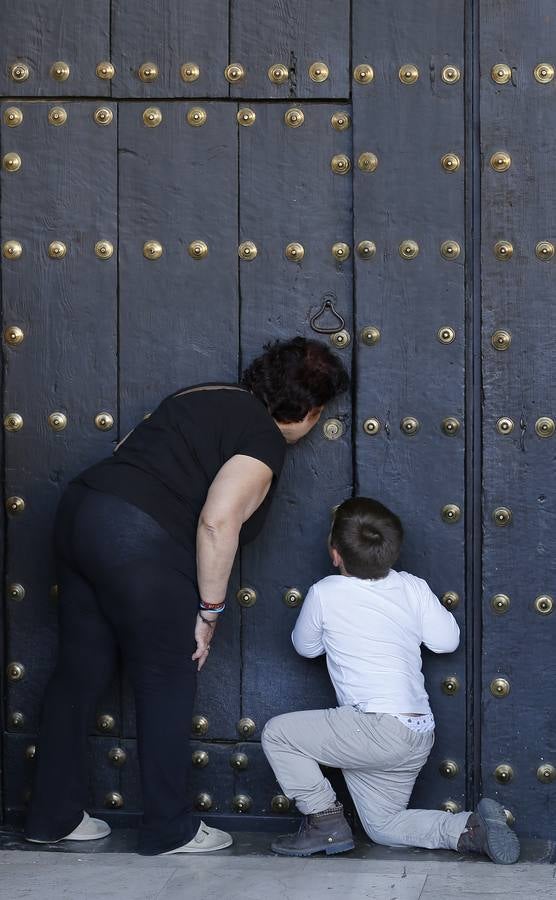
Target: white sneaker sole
[(91, 837), (221, 846)]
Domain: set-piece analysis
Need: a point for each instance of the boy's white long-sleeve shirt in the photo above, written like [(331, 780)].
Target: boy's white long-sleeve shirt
[(371, 632)]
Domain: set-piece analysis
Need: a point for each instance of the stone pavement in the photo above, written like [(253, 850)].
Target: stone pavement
[(248, 872)]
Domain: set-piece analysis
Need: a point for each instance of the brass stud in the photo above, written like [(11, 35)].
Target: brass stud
[(544, 250), (446, 334), (503, 773), (13, 335), (450, 599), (450, 806), (199, 725), (501, 340), (408, 74), (152, 250), (408, 249), (505, 425), (19, 71), (104, 421), (450, 250), (106, 722), (450, 74), (57, 250), (371, 426), (544, 605), (318, 72), (57, 421), (545, 427), (54, 592), (295, 252), (502, 516), (148, 72), (451, 513), (234, 73), (242, 803), (12, 116), (292, 598), (15, 506), (544, 73), (450, 162), (113, 800), (239, 761), (341, 120), (152, 116), (366, 249), (294, 117), (500, 161), (197, 116), (367, 162), (16, 592), (501, 73), (448, 768), (450, 685), (117, 756), (246, 597), (17, 720), (370, 335), (11, 249), (246, 117), (15, 671), (451, 426), (247, 250), (103, 115), (31, 751), (340, 164), (363, 73), (60, 71), (105, 70), (104, 249), (340, 251), (333, 429), (246, 728), (203, 802), (278, 73), (546, 773), (11, 162), (200, 759), (503, 250), (189, 72), (340, 339), (500, 604), (410, 425), (280, 803), (197, 249), (57, 115), (499, 687)]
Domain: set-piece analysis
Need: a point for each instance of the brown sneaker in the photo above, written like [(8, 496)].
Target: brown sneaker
[(325, 832), (488, 832)]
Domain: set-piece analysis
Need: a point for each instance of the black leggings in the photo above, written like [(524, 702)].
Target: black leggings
[(125, 584)]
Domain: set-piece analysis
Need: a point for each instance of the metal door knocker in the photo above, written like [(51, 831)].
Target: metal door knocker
[(327, 305)]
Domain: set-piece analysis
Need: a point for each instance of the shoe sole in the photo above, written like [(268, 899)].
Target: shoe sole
[(329, 850), (221, 846), (502, 842), (96, 837)]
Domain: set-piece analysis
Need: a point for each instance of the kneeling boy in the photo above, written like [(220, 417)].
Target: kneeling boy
[(371, 621)]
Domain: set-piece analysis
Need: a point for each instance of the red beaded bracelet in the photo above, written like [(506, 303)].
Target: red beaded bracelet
[(204, 605)]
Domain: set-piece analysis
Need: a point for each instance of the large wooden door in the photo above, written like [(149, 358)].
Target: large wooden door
[(183, 182)]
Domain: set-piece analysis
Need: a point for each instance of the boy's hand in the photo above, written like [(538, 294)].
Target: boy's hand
[(204, 633)]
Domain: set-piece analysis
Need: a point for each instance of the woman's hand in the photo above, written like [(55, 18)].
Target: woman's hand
[(204, 633)]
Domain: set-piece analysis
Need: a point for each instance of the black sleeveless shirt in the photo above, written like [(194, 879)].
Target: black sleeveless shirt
[(167, 464)]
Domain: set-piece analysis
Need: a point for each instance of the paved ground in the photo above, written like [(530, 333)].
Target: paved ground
[(248, 872)]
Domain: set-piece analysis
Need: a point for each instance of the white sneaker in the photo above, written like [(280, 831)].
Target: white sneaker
[(205, 840), (88, 830)]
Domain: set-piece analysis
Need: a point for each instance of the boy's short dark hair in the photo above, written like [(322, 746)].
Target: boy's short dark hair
[(368, 537)]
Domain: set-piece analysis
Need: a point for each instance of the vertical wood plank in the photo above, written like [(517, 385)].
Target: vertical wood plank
[(410, 127)]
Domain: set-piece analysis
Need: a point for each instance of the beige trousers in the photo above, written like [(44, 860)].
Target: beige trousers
[(380, 759)]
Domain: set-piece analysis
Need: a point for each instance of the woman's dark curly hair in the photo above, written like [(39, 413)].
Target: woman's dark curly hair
[(293, 377)]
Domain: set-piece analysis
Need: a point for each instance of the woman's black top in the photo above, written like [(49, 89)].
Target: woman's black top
[(167, 464)]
